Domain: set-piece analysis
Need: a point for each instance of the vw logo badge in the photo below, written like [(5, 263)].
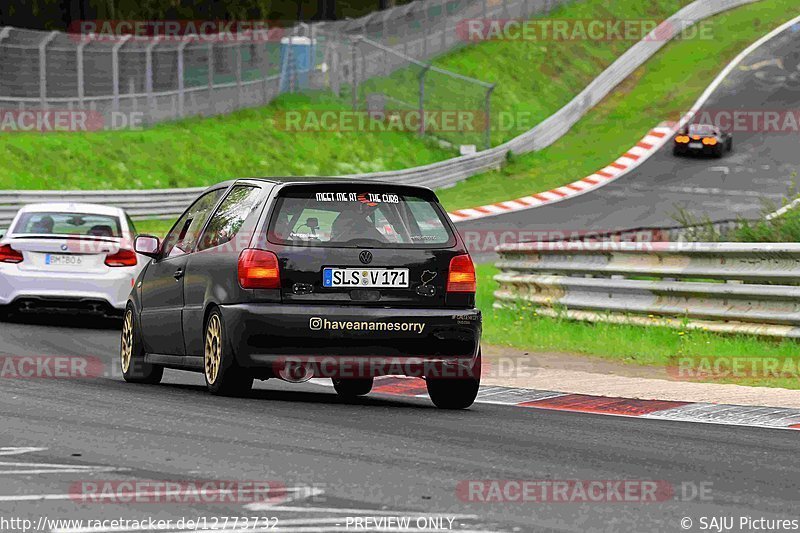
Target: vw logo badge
[(64, 247), (365, 257)]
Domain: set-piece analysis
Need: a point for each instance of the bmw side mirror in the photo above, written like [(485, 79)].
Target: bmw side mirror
[(146, 245)]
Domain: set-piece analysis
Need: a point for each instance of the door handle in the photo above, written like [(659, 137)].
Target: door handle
[(178, 274)]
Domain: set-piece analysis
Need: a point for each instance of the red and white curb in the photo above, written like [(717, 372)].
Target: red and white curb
[(649, 145), (708, 413)]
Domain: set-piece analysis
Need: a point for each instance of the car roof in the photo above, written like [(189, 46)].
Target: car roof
[(301, 180), (73, 207)]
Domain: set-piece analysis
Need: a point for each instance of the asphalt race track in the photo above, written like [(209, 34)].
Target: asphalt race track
[(761, 168), (335, 461), (380, 456)]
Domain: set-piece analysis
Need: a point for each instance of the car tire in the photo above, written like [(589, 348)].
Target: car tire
[(676, 152), (131, 352), (352, 388), (730, 145), (718, 151), (460, 393), (224, 377)]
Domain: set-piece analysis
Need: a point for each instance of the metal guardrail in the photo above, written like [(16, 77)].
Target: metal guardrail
[(449, 172), (725, 287), (158, 203)]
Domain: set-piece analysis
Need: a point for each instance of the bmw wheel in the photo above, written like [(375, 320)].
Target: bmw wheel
[(223, 376), (131, 353)]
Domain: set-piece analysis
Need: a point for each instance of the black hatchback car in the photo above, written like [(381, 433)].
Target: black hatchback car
[(308, 277)]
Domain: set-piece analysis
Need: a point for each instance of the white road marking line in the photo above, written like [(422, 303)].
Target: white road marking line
[(145, 494), (370, 512), (724, 170), (59, 471), (20, 451), (50, 468)]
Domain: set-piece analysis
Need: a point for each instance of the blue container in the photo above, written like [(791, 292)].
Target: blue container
[(297, 63)]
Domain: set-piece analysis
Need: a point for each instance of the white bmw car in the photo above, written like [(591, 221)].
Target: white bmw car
[(68, 257)]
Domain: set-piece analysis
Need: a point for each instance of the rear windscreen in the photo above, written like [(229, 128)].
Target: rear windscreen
[(701, 129), (41, 223), (345, 217)]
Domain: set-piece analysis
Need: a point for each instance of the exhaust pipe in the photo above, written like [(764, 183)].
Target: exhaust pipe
[(296, 372)]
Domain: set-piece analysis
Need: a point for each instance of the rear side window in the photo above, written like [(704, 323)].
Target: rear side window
[(183, 236), (229, 217), (41, 223), (348, 217)]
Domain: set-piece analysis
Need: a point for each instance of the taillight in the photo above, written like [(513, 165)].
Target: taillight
[(258, 269), (461, 277), (123, 258), (710, 141), (9, 255)]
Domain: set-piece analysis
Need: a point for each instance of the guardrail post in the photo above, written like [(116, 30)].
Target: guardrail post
[(488, 110), (115, 68), (43, 67)]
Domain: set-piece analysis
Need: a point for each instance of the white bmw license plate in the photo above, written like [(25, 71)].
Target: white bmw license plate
[(695, 145), (392, 278), (62, 260)]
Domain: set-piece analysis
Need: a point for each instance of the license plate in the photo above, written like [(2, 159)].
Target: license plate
[(62, 259), (392, 278), (695, 145)]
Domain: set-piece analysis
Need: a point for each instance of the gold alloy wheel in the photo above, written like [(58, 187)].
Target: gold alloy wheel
[(126, 349), (213, 350)]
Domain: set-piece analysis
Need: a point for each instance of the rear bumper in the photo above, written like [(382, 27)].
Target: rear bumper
[(266, 335), (63, 290), (705, 150)]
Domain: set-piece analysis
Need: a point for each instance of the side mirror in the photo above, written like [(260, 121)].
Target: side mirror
[(146, 245)]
